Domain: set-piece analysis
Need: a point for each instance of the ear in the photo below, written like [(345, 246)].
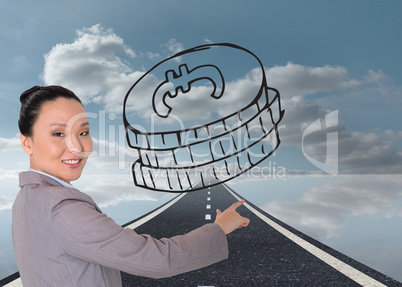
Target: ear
[(26, 144)]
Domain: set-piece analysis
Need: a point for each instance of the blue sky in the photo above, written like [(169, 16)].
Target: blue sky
[(327, 56)]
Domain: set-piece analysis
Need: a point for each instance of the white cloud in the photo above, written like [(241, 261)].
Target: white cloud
[(173, 47), (195, 106), (9, 184), (299, 114), (207, 41), (323, 210), (393, 135), (106, 192), (6, 202), (10, 144), (358, 152), (368, 153), (13, 173), (374, 77), (111, 155), (91, 68), (295, 80)]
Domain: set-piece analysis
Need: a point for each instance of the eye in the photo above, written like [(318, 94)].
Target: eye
[(58, 134), (85, 133)]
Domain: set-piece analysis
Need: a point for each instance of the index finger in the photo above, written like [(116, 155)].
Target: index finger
[(237, 204)]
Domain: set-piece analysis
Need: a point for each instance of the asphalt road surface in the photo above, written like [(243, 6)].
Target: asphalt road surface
[(266, 253), (259, 255)]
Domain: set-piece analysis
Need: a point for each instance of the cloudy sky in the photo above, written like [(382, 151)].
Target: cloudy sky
[(336, 175)]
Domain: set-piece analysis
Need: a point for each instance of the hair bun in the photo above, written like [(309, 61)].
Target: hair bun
[(25, 95)]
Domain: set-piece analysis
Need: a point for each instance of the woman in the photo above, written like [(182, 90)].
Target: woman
[(60, 236)]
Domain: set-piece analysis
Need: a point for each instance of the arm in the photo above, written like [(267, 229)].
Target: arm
[(85, 233)]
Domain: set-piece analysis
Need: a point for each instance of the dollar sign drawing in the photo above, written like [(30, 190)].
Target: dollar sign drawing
[(186, 78)]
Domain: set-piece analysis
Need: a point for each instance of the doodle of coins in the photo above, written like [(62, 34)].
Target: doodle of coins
[(204, 113)]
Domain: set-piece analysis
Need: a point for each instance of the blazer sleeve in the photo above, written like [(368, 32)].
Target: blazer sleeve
[(87, 234)]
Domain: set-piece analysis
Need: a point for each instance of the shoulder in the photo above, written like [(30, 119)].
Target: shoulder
[(53, 191)]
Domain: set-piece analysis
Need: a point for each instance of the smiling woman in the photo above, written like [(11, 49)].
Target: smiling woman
[(55, 143), (61, 237)]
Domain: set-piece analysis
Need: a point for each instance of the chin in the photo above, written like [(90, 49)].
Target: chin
[(72, 177), (75, 177)]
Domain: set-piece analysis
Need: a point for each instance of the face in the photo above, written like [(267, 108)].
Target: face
[(60, 143)]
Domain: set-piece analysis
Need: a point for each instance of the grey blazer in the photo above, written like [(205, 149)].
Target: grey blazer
[(61, 238)]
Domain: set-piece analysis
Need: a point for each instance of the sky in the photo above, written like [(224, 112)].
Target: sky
[(336, 174)]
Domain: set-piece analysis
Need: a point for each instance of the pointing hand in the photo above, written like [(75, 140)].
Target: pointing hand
[(230, 220)]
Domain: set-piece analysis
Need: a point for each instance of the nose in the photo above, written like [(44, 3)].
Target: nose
[(79, 146), (74, 145)]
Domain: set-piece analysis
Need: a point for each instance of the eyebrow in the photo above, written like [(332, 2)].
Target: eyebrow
[(64, 125)]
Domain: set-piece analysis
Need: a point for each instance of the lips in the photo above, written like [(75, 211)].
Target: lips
[(72, 162)]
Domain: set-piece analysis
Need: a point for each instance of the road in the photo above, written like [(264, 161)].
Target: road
[(266, 253)]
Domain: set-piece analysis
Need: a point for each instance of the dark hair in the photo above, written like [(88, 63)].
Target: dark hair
[(32, 101)]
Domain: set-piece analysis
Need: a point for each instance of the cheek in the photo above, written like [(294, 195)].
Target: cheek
[(56, 148), (48, 149)]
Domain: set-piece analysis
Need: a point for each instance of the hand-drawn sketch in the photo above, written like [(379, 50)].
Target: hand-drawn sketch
[(192, 125)]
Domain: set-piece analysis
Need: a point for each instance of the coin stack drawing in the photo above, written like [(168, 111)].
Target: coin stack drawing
[(201, 117)]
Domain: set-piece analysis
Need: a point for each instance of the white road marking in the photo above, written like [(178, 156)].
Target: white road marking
[(208, 199), (334, 262), (208, 206), (16, 283), (207, 216)]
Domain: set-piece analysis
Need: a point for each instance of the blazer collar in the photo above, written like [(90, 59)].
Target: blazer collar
[(31, 177)]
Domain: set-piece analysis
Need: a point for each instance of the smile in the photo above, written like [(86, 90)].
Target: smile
[(71, 161)]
